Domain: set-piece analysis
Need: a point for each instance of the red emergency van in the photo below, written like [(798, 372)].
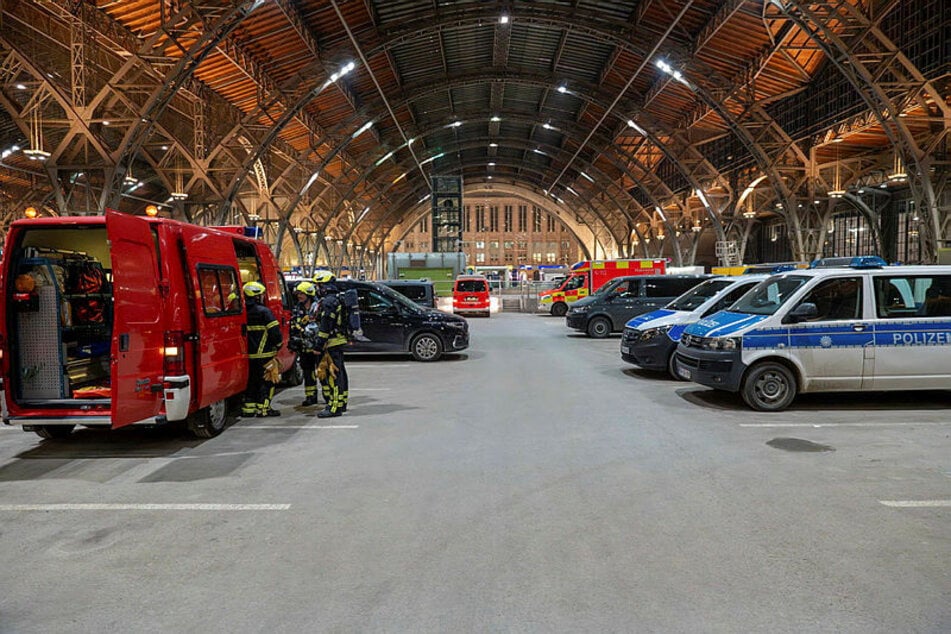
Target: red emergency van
[(470, 294), (118, 320)]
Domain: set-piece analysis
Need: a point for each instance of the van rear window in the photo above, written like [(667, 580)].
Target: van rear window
[(471, 286)]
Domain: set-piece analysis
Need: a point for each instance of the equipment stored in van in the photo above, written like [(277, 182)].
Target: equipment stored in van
[(625, 297), (587, 276), (860, 327), (131, 320)]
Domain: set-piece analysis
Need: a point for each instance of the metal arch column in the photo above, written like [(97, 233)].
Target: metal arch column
[(714, 91), (180, 73), (869, 60)]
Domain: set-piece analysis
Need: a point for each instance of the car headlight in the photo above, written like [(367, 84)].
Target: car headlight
[(650, 333), (456, 324), (723, 343), (579, 309)]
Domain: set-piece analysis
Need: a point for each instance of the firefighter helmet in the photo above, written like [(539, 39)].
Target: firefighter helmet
[(307, 288), (323, 277), (254, 289)]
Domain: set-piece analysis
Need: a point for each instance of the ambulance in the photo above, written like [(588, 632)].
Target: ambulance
[(118, 320), (588, 276), (854, 325)]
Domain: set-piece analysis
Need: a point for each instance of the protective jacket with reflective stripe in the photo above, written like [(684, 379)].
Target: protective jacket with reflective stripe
[(264, 332)]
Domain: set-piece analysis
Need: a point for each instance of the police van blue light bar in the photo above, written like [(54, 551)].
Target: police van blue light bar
[(253, 232), (859, 262)]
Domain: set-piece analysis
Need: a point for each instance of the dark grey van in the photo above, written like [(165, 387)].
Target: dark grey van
[(420, 291), (620, 299)]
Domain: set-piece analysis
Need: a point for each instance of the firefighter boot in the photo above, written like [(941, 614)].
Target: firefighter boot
[(328, 413), (311, 400)]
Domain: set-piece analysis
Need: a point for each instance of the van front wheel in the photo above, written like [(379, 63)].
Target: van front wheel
[(210, 421), (599, 328), (558, 309), (426, 347), (769, 387)]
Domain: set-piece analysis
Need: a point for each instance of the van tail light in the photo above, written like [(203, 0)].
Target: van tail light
[(174, 353)]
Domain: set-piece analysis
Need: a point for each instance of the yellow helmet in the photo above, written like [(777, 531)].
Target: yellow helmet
[(307, 288), (254, 289), (322, 277)]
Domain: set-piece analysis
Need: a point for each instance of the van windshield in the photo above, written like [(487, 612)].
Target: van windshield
[(766, 297), (695, 297), (610, 286)]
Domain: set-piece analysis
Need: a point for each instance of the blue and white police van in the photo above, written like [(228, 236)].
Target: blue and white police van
[(650, 340), (864, 326)]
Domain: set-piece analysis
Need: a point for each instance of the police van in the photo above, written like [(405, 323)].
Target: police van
[(650, 340), (864, 326)]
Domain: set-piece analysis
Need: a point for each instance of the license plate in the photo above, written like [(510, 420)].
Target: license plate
[(683, 372), (625, 350), (471, 300)]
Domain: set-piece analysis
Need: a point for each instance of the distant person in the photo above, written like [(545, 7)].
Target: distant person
[(264, 340)]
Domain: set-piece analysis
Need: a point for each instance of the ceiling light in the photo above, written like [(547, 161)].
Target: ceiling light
[(20, 87), (562, 89), (491, 164), (366, 126), (382, 160), (493, 145), (495, 118), (587, 177), (503, 19)]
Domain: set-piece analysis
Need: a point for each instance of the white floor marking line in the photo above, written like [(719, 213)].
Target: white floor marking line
[(296, 427), (370, 389), (816, 425), (911, 504), (144, 507)]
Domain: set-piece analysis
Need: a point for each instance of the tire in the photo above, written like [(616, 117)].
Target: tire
[(54, 432), (672, 366), (426, 347), (558, 309), (294, 375), (599, 327), (769, 387), (210, 421)]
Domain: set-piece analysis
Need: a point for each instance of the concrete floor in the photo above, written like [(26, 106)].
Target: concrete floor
[(535, 483)]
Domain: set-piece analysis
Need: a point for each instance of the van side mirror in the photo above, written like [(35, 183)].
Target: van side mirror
[(802, 312)]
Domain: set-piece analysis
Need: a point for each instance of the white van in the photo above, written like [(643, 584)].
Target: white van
[(650, 340), (866, 326)]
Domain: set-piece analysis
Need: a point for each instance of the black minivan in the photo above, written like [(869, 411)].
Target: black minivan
[(420, 291), (608, 309), (393, 323)]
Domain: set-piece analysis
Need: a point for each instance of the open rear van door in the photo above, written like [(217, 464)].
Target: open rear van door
[(221, 344), (137, 332)]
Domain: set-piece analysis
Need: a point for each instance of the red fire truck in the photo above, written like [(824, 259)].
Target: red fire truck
[(587, 276), (118, 320)]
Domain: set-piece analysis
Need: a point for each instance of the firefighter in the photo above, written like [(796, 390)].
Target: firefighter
[(264, 340), (306, 294), (331, 339)]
